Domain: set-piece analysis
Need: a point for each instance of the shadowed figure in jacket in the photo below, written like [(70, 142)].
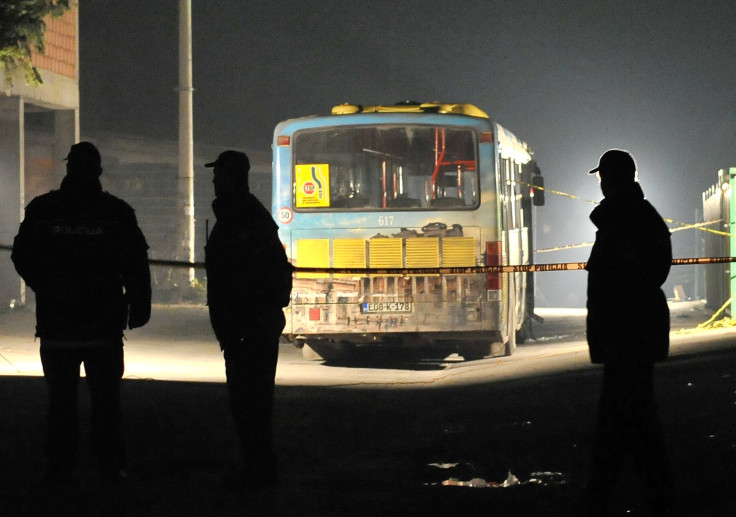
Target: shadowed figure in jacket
[(248, 284), (82, 253), (628, 332)]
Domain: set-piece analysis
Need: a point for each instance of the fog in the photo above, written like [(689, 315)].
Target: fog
[(570, 78)]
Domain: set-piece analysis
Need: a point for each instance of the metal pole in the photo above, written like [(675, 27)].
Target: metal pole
[(732, 239), (22, 175), (186, 133)]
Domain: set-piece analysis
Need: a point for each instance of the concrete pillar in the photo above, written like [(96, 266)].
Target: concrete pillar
[(66, 134), (12, 167), (186, 139)]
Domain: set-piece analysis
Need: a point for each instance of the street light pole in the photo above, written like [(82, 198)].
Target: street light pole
[(732, 238), (186, 136)]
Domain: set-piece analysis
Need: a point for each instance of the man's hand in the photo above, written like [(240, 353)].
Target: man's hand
[(138, 316)]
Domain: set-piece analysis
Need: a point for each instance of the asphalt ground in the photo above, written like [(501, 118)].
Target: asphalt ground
[(366, 451)]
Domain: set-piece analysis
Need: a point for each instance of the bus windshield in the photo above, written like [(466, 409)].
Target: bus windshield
[(367, 168)]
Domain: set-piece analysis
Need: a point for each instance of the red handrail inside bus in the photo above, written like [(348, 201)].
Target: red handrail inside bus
[(437, 160)]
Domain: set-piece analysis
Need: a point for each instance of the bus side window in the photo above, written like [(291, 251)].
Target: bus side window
[(470, 192)]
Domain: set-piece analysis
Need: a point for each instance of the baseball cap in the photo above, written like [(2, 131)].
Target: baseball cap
[(615, 160), (84, 153), (234, 160)]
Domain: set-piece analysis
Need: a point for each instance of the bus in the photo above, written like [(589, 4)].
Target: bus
[(411, 186)]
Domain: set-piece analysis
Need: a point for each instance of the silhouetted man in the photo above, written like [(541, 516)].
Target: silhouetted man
[(81, 251), (628, 331), (248, 284)]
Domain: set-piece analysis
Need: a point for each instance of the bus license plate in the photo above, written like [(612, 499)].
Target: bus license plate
[(371, 307)]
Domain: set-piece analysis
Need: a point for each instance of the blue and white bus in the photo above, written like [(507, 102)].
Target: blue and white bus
[(410, 186)]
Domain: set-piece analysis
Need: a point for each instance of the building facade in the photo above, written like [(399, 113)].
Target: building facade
[(719, 240), (38, 124)]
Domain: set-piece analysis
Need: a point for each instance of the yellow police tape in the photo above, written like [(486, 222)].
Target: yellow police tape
[(712, 322), (472, 270), (469, 270), (684, 226), (697, 226), (565, 247), (525, 268), (681, 226), (557, 192)]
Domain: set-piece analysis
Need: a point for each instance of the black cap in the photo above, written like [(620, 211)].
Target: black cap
[(233, 160), (616, 160), (84, 153)]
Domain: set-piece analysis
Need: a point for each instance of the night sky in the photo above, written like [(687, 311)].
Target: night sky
[(572, 78)]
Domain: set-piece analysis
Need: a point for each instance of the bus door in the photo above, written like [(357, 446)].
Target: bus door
[(513, 230)]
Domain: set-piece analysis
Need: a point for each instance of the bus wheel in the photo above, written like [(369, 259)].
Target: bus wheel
[(525, 331), (521, 335), (510, 347)]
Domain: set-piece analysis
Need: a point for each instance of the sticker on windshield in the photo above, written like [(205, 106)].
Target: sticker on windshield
[(313, 185)]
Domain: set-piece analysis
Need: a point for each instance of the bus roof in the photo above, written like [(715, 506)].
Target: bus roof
[(412, 107)]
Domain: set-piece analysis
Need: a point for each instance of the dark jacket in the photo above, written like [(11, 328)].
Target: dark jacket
[(248, 274), (81, 251), (628, 318)]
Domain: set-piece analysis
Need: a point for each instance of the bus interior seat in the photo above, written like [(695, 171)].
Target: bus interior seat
[(404, 202), (446, 202), (356, 202), (352, 200)]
